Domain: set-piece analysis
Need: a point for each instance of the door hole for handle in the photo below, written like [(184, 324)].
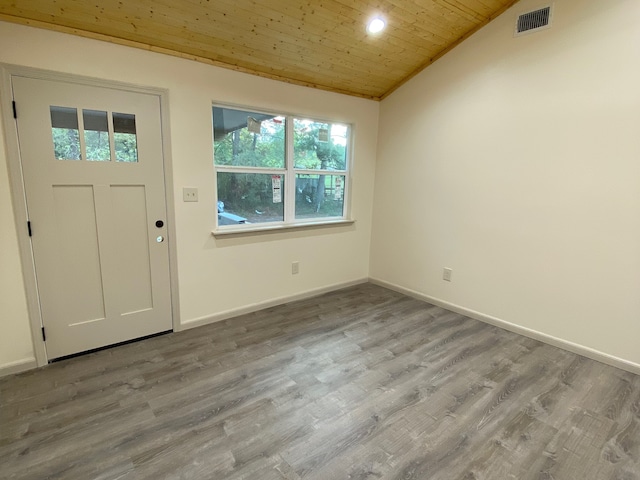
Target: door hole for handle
[(159, 224), (159, 239)]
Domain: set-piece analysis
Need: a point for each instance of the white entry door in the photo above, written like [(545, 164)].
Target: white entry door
[(93, 171)]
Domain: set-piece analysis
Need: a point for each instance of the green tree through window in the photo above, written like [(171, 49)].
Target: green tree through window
[(256, 179)]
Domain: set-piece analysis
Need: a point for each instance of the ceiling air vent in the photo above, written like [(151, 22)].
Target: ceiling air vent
[(533, 21)]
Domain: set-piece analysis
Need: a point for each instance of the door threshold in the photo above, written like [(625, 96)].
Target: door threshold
[(94, 350)]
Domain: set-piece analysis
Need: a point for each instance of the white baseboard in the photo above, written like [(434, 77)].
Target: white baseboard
[(254, 307), (512, 327), (17, 366)]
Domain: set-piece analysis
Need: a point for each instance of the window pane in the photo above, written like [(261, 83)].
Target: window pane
[(319, 146), (124, 137), (248, 139), (96, 135), (64, 129), (319, 196), (250, 198)]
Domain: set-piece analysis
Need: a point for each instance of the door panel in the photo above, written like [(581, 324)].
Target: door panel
[(134, 292), (94, 179), (77, 297)]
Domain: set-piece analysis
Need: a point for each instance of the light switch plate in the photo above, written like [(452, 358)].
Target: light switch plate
[(190, 194)]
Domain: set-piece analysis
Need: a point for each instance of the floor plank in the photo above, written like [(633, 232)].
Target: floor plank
[(362, 383)]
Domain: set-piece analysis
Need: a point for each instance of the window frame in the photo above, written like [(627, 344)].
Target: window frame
[(289, 174)]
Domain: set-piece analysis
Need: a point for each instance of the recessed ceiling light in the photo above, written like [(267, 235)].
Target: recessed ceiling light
[(376, 25)]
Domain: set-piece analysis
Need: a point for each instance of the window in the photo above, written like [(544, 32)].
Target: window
[(96, 135), (100, 134), (64, 130), (277, 169)]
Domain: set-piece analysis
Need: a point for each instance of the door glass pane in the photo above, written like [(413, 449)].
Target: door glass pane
[(319, 145), (319, 196), (64, 129), (250, 198), (248, 139), (124, 137), (96, 135)]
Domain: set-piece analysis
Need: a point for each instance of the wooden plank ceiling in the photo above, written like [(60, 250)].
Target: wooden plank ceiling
[(318, 43)]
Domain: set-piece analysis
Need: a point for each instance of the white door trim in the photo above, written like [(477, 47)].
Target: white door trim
[(18, 195)]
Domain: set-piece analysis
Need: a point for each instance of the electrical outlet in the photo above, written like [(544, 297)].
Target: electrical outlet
[(446, 274), (295, 268), (189, 194)]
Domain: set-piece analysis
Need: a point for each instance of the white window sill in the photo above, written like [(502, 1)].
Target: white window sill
[(248, 229)]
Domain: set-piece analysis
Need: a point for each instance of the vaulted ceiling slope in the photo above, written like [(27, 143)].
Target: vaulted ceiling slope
[(318, 43)]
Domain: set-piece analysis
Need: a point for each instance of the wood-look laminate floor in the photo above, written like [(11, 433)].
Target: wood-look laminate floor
[(362, 383)]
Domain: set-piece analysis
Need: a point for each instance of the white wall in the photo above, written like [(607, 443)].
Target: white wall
[(215, 275), (516, 162)]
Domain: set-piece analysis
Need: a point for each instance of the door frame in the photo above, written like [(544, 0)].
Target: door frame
[(18, 193)]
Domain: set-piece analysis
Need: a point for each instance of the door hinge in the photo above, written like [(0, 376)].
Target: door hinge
[(15, 112), (29, 228), (44, 335)]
